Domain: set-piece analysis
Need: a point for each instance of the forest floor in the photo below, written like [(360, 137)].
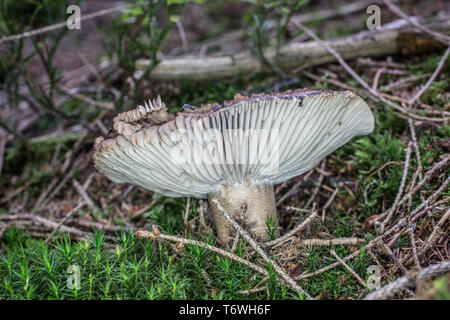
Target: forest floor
[(384, 197)]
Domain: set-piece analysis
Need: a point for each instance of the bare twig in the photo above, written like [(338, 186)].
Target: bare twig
[(435, 234), (84, 195), (258, 249), (86, 99), (67, 216), (433, 76), (183, 37), (317, 188), (361, 281), (63, 24), (391, 211), (397, 163), (403, 82), (428, 175), (393, 257), (331, 199), (326, 45), (415, 214), (374, 43), (186, 215), (336, 55), (295, 187), (45, 222), (376, 78), (416, 147), (156, 234), (290, 208), (413, 245), (331, 242), (292, 233), (2, 150)]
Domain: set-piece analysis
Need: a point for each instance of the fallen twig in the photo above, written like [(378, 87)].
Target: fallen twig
[(84, 195), (413, 245), (388, 214), (408, 281), (438, 36), (433, 76), (295, 187), (292, 233), (45, 222), (331, 242), (62, 24), (86, 99), (366, 43), (258, 249), (156, 234), (361, 281), (393, 257), (328, 46), (331, 199)]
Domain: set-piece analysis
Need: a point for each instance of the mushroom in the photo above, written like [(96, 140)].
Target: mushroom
[(234, 152)]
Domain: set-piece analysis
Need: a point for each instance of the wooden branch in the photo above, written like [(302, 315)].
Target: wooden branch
[(63, 220), (156, 234), (292, 233), (361, 281), (368, 43), (332, 242)]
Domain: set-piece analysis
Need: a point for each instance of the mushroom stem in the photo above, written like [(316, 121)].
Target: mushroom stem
[(249, 204)]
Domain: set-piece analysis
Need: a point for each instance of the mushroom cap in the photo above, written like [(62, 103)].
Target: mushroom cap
[(264, 138)]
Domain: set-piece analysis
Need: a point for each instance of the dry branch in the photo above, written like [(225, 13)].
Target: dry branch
[(46, 223), (62, 24), (286, 278), (156, 234), (433, 76), (331, 242), (441, 37), (367, 43), (292, 233), (391, 211)]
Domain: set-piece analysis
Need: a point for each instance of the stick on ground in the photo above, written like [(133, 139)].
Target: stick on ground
[(258, 249)]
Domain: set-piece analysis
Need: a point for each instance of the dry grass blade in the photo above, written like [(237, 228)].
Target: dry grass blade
[(391, 211), (292, 233), (156, 234), (361, 281), (66, 217)]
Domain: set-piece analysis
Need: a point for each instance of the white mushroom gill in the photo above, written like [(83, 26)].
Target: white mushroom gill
[(235, 152)]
